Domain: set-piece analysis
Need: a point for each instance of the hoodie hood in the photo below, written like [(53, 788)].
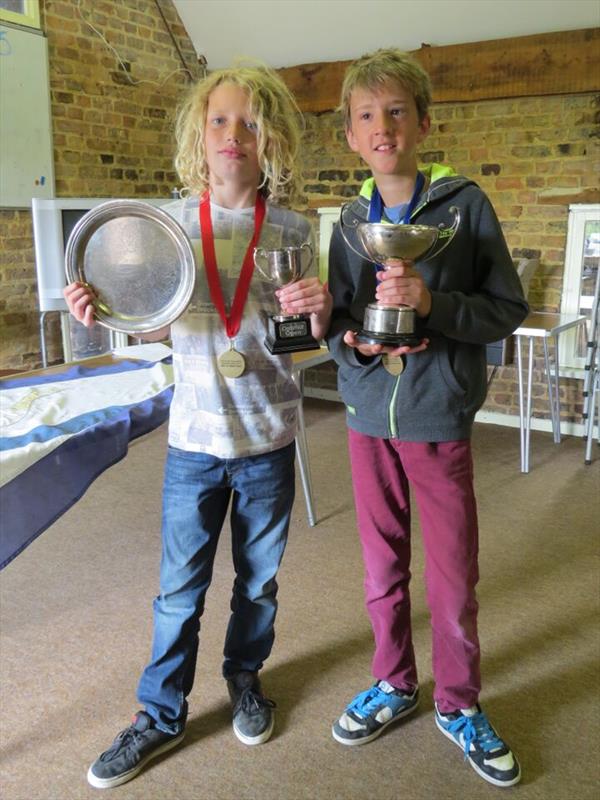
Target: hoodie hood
[(443, 181)]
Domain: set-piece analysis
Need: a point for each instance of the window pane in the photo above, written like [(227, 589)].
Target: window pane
[(582, 266), (589, 276), (16, 6), (591, 257)]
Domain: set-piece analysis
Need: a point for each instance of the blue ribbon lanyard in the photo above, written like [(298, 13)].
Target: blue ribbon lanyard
[(376, 205)]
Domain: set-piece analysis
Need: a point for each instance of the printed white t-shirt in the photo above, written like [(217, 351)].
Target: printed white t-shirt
[(257, 412)]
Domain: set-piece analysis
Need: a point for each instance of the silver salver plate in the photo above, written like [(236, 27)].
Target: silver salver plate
[(139, 261)]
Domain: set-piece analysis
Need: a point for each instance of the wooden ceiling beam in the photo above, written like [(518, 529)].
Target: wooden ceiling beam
[(567, 62)]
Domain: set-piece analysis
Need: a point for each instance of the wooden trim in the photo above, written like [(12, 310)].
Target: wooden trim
[(565, 197), (567, 62)]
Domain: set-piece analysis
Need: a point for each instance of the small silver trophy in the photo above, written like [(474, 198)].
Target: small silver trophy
[(394, 325), (286, 333)]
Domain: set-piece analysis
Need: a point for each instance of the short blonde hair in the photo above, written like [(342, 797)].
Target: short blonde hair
[(277, 117), (374, 70)]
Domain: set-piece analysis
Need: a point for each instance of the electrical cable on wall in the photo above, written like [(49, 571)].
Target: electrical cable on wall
[(125, 67), (168, 27)]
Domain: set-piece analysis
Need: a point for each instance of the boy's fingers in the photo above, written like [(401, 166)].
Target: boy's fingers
[(365, 349), (89, 317), (407, 349), (402, 270), (300, 289)]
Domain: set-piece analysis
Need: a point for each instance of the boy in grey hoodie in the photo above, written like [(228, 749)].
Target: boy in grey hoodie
[(410, 410)]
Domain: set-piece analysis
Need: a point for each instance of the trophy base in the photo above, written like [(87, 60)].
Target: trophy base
[(290, 335), (388, 339)]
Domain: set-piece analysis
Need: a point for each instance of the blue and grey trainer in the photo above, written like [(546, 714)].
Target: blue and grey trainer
[(485, 751), (372, 711)]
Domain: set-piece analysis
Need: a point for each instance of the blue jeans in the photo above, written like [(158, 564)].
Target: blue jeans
[(197, 491)]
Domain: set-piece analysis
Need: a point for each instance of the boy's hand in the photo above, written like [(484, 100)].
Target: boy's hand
[(80, 297), (377, 349), (308, 296), (402, 285)]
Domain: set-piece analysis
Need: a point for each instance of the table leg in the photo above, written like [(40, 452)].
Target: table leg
[(553, 388), (529, 402), (302, 452), (525, 401), (557, 387), (521, 409)]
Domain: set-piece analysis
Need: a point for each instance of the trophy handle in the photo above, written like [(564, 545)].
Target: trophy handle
[(306, 248), (345, 238), (447, 234), (260, 261)]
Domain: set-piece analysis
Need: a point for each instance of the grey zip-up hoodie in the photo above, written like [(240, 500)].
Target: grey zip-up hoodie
[(476, 299)]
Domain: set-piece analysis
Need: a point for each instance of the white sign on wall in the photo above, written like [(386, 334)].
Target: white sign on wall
[(26, 159)]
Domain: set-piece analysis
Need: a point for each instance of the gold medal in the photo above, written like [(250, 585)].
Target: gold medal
[(231, 364), (393, 364)]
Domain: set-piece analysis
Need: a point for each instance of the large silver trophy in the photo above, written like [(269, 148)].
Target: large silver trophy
[(382, 243), (287, 333)]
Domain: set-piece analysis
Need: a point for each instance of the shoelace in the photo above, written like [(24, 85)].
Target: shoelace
[(366, 702), (476, 729), (128, 736), (252, 702)]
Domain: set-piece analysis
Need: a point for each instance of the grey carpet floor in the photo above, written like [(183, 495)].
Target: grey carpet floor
[(76, 630)]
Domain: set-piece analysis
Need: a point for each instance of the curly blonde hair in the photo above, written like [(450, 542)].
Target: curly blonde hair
[(278, 121), (373, 70)]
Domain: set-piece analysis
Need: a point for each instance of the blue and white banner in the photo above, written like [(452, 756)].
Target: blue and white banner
[(60, 430)]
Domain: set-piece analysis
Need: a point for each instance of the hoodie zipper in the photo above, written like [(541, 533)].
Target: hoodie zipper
[(391, 415)]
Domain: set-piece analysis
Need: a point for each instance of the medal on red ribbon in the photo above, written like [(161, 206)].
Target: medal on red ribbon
[(231, 363)]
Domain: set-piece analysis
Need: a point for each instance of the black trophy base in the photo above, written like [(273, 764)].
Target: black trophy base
[(388, 339), (290, 335)]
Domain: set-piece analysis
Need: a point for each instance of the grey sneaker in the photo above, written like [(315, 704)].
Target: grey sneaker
[(372, 711), (130, 752), (253, 717)]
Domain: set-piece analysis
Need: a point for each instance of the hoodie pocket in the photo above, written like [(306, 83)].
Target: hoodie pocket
[(448, 374), (364, 391)]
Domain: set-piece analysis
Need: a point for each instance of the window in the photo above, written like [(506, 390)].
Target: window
[(21, 12), (328, 216), (580, 277)]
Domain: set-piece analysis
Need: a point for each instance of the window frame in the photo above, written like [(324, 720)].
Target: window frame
[(572, 301), (30, 18)]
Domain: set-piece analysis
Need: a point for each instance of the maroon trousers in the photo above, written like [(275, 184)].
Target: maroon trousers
[(441, 477)]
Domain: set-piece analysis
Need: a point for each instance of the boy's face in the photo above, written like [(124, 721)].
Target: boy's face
[(385, 129), (230, 138)]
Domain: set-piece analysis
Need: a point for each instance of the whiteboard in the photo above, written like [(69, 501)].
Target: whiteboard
[(26, 163)]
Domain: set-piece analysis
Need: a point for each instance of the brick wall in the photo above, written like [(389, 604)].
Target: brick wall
[(533, 156), (111, 137)]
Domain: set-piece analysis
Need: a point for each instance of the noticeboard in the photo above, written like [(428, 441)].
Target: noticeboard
[(26, 159)]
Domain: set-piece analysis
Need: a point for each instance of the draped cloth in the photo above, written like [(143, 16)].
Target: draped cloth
[(61, 428)]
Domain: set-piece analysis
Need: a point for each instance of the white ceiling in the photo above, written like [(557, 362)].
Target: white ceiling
[(285, 33)]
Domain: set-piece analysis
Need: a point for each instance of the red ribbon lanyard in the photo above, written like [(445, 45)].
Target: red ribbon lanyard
[(233, 321)]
